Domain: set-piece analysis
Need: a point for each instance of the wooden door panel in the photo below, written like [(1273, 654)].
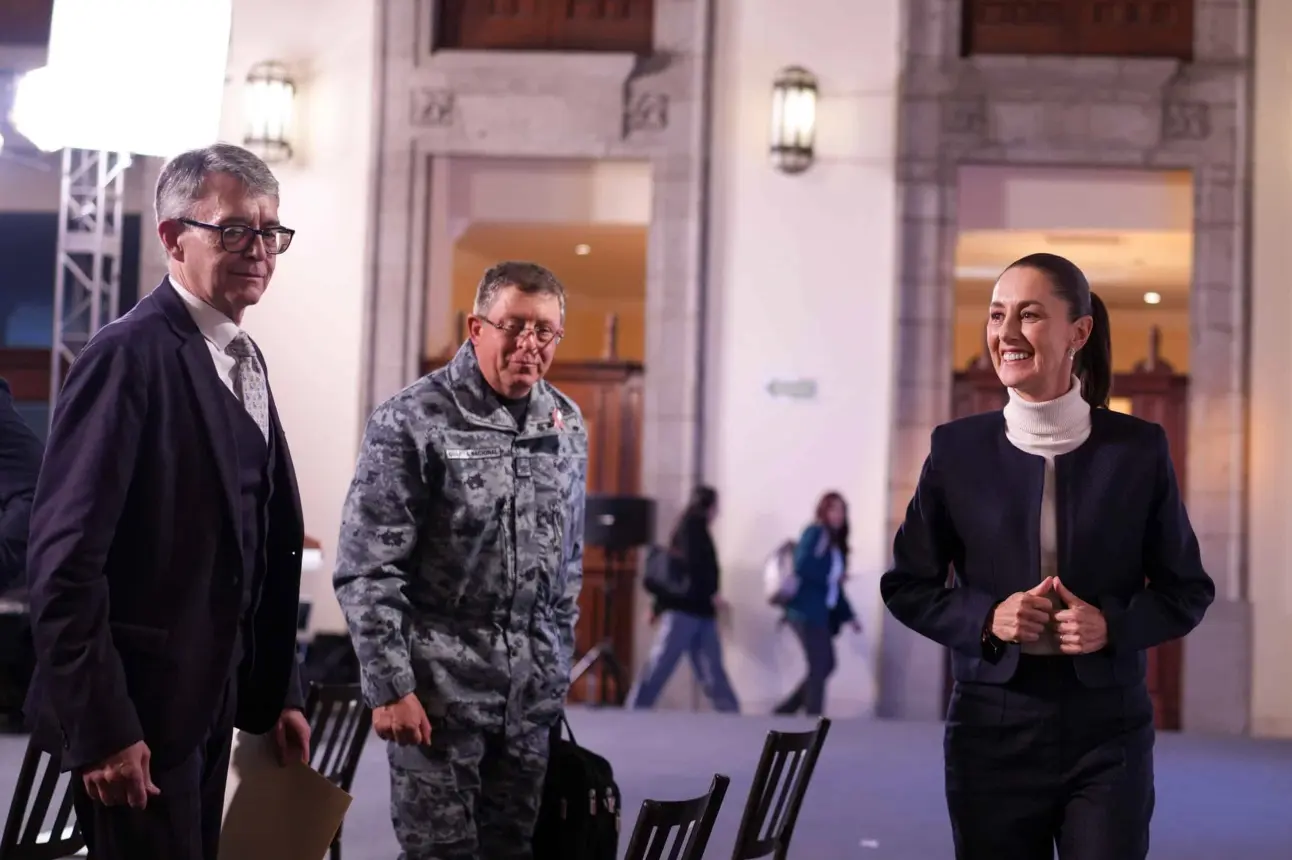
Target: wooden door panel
[(592, 401), (606, 393)]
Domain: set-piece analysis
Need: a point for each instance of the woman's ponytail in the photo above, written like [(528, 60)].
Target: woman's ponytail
[(1094, 363)]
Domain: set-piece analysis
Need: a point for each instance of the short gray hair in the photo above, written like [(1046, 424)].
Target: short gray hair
[(529, 278), (179, 186)]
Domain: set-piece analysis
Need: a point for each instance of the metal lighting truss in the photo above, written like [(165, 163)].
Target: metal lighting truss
[(88, 277)]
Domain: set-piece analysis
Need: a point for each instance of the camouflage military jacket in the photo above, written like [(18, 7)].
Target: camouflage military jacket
[(461, 551)]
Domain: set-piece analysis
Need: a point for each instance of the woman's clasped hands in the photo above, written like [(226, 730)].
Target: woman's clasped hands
[(1023, 617)]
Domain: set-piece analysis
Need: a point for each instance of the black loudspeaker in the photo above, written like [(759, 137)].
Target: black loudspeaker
[(619, 522), (618, 525)]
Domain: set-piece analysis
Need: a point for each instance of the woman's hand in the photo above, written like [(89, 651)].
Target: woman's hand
[(1023, 616), (1082, 628)]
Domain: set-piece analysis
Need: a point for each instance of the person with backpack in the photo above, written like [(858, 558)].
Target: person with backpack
[(818, 609), (684, 584)]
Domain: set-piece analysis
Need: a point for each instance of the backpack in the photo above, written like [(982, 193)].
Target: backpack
[(579, 816), (780, 583), (665, 575)]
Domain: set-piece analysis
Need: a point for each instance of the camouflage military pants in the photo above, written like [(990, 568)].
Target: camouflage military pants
[(469, 795)]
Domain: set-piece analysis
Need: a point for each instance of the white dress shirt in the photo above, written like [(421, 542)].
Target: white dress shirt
[(218, 330)]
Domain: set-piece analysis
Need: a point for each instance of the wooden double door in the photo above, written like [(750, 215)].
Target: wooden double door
[(1155, 393), (609, 394)]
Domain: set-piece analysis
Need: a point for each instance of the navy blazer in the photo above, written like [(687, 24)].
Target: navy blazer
[(135, 561), (20, 455), (1124, 544)]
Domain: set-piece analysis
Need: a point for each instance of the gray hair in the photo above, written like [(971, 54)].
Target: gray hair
[(179, 186), (529, 278)]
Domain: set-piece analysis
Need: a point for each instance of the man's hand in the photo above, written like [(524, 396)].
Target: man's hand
[(1081, 627), (123, 778), (403, 722), (1023, 616), (292, 737)]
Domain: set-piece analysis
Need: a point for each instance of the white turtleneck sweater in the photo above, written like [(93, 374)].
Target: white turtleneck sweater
[(1047, 430)]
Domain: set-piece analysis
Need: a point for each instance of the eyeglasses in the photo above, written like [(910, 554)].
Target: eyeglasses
[(543, 335), (237, 238)]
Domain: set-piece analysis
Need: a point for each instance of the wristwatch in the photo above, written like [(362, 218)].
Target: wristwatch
[(993, 647)]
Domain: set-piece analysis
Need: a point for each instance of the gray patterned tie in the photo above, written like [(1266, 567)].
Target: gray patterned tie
[(249, 381)]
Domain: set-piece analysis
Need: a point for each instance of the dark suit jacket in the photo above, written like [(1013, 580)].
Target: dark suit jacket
[(1124, 543), (20, 455), (135, 565)]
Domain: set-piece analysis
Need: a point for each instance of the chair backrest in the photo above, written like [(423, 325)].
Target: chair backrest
[(339, 725), (28, 832), (776, 796), (689, 822)]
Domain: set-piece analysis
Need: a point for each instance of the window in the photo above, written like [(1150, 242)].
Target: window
[(1110, 28), (546, 25)]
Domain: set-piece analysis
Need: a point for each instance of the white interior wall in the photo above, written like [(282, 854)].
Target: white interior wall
[(802, 284)]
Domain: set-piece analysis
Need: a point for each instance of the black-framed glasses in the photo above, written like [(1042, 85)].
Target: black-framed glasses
[(237, 238), (514, 329)]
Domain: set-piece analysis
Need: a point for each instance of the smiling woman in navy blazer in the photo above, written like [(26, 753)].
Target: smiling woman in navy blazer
[(1072, 554)]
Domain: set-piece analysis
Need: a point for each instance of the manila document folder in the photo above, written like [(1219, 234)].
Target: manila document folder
[(273, 812)]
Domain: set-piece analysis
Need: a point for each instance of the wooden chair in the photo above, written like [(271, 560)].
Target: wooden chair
[(25, 835), (693, 820), (784, 772), (339, 726)]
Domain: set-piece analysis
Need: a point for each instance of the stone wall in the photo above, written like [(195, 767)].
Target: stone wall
[(1075, 112), (549, 105)]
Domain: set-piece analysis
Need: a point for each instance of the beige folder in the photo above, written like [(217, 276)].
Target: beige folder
[(277, 813)]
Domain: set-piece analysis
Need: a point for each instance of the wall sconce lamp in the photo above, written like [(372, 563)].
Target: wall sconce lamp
[(270, 93), (793, 119)]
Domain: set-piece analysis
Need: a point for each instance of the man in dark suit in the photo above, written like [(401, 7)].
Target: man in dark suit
[(20, 453), (166, 534)]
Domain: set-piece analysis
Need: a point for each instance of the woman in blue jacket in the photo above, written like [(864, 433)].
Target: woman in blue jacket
[(819, 608), (1072, 555)]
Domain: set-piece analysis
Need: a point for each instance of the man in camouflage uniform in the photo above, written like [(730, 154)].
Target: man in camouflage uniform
[(458, 569)]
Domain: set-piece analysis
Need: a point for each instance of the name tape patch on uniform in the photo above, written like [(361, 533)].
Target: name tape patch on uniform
[(472, 453)]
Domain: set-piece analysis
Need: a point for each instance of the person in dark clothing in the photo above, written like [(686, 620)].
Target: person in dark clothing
[(164, 560), (819, 609), (688, 622), (20, 455), (1072, 554)]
